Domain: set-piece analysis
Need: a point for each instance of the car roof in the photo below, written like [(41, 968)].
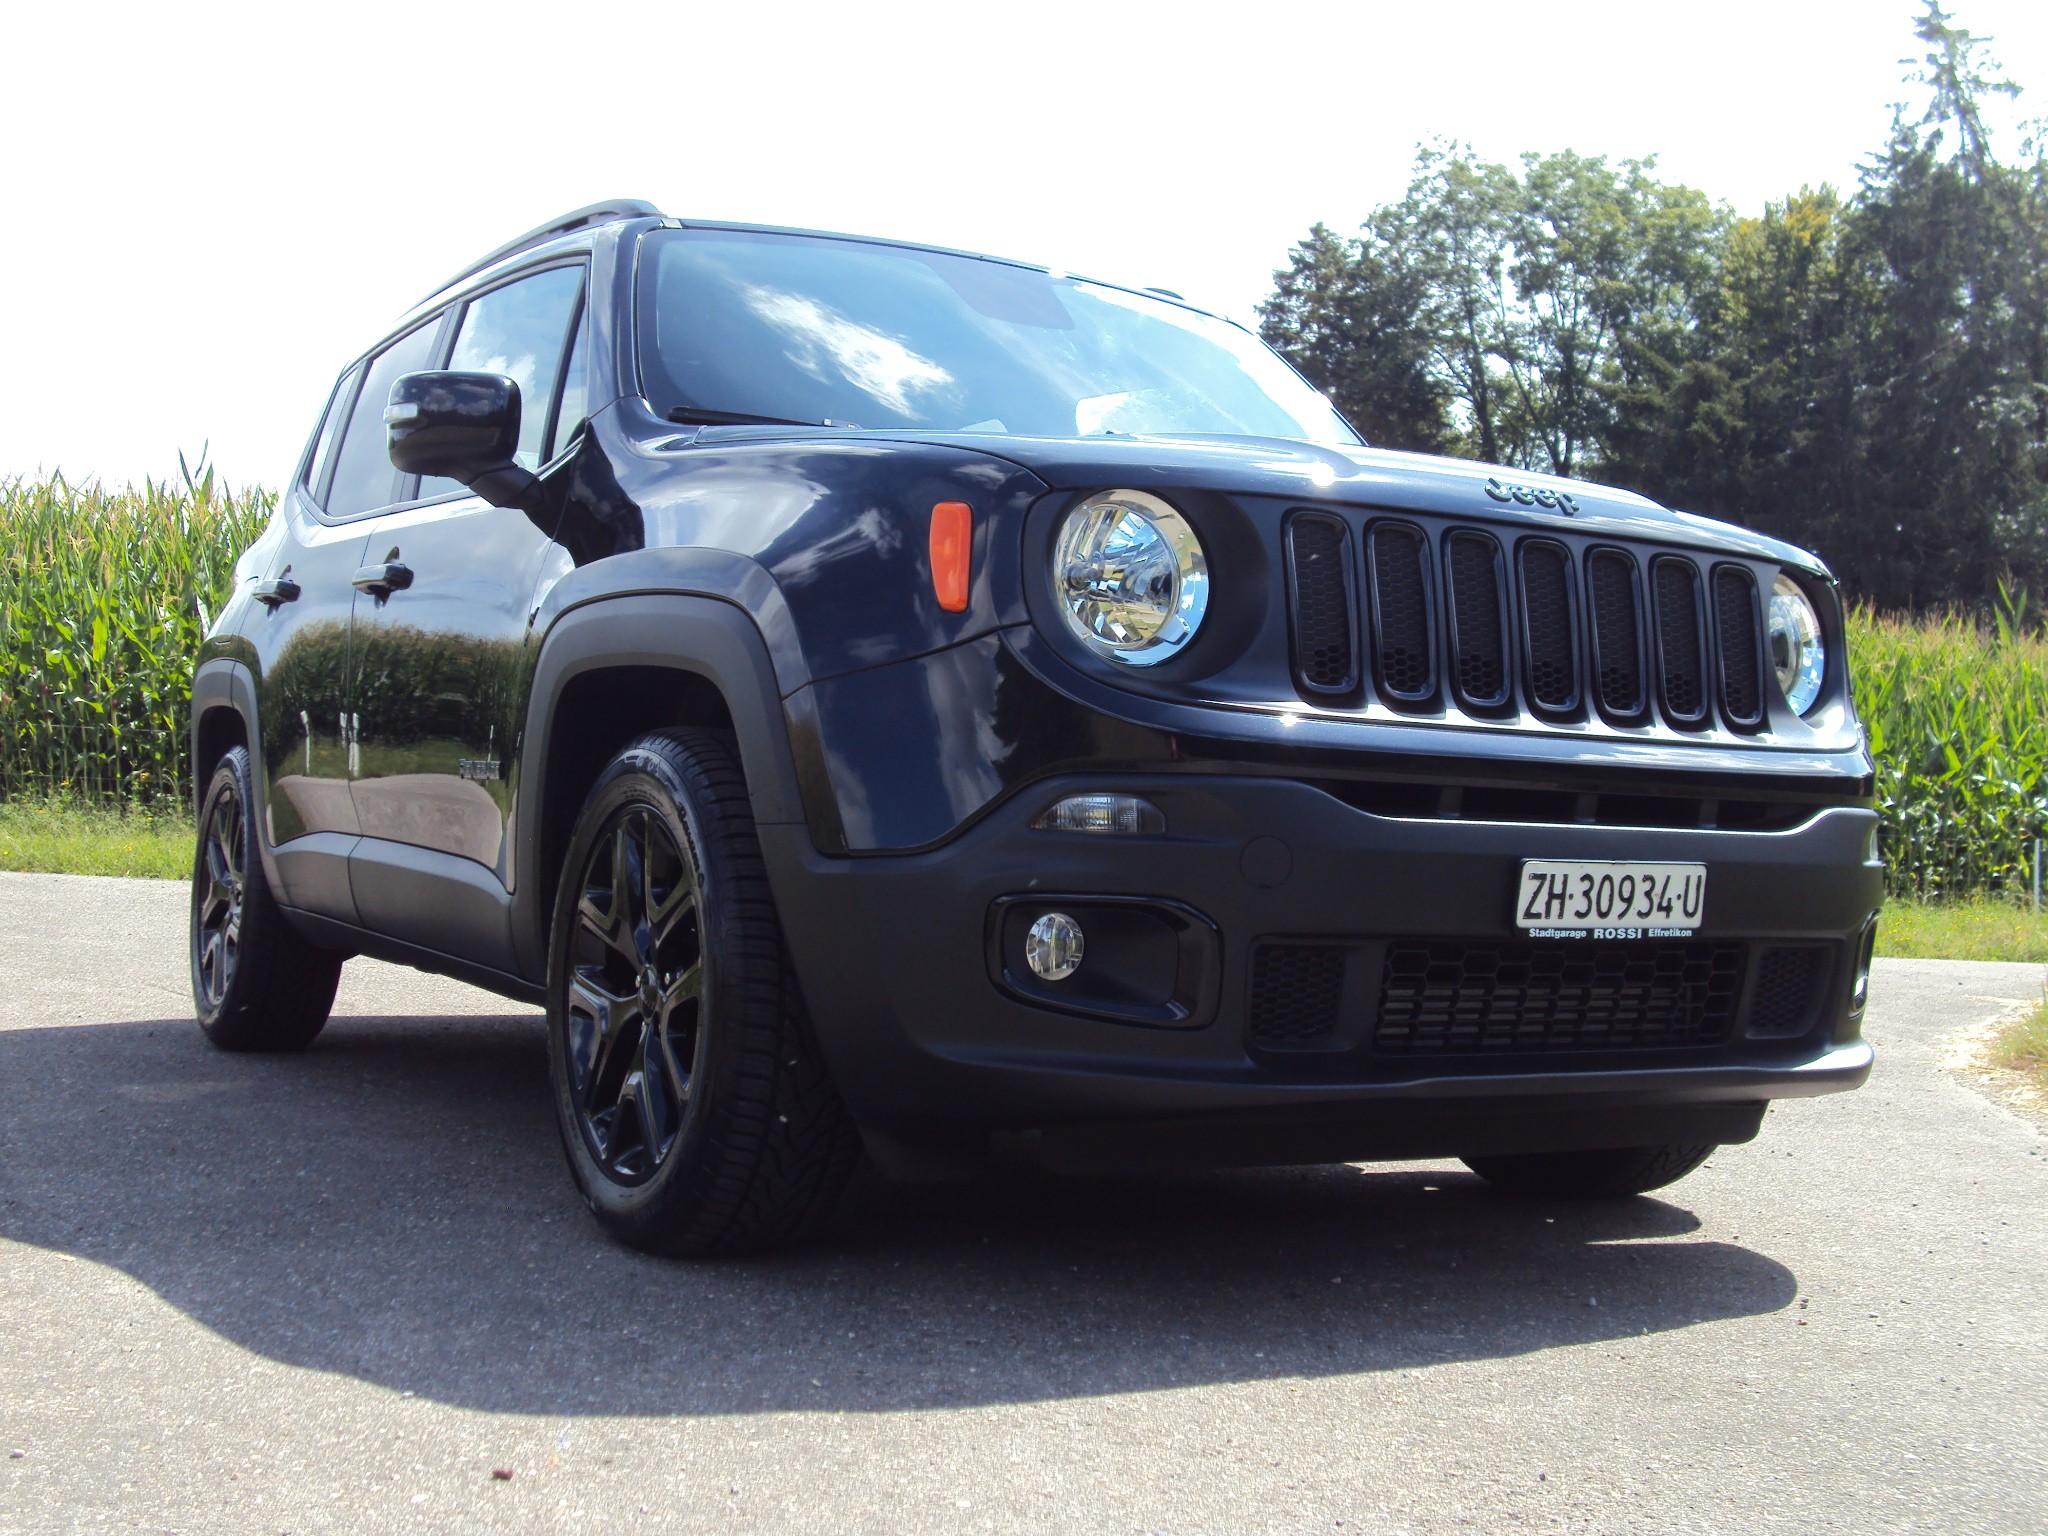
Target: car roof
[(574, 231)]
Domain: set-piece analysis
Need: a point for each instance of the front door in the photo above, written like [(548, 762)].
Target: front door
[(439, 665)]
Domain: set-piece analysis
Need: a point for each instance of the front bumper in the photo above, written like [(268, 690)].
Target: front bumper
[(902, 962)]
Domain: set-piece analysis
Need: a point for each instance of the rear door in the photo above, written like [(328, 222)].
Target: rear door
[(439, 665)]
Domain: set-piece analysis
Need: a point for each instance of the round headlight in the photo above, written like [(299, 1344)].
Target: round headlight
[(1131, 577), (1797, 653)]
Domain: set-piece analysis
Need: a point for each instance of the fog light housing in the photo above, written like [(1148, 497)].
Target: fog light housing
[(1053, 947), (1116, 815)]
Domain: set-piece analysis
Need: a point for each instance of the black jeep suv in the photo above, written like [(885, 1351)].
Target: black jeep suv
[(879, 697)]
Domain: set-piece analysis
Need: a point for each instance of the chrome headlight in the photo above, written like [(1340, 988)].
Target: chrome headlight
[(1131, 577), (1798, 654)]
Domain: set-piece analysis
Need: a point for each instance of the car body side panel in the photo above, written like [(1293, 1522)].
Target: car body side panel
[(437, 677), (841, 525), (303, 647)]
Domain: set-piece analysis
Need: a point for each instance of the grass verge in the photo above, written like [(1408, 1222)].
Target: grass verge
[(1980, 928), (2022, 1046), (62, 837)]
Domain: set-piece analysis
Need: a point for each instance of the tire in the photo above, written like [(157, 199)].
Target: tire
[(257, 986), (692, 1099), (1609, 1173)]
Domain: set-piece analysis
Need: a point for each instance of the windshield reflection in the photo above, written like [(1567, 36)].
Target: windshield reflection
[(813, 328)]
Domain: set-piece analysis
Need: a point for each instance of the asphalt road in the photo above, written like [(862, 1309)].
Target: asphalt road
[(334, 1292)]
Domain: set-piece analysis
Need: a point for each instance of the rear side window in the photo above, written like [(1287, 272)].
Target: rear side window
[(364, 477), (330, 424)]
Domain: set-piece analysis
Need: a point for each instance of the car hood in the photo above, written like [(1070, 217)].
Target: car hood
[(1378, 477)]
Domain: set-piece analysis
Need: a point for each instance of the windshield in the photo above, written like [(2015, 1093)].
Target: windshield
[(738, 325)]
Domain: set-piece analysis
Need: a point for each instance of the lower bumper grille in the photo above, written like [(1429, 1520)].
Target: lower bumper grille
[(1297, 991), (1440, 999), (1471, 999)]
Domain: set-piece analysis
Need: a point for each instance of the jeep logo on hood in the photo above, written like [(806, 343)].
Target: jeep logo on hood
[(1536, 495)]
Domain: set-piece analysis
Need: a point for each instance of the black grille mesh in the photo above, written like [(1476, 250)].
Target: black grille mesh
[(1296, 991), (1401, 610), (1682, 668), (1616, 628), (1482, 663), (1614, 658), (1453, 998), (1547, 610), (1742, 682), (1319, 548), (1787, 987)]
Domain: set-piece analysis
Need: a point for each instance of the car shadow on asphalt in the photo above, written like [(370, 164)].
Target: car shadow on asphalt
[(391, 1205)]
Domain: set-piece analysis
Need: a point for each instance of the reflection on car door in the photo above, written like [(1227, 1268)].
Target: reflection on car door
[(300, 635), (439, 665)]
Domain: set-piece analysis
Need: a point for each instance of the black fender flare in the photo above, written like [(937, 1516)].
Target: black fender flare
[(711, 637), (220, 682)]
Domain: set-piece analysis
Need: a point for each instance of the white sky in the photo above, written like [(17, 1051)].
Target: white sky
[(206, 210)]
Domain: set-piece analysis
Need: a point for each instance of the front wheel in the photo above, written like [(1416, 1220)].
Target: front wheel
[(1608, 1173), (692, 1099), (256, 984)]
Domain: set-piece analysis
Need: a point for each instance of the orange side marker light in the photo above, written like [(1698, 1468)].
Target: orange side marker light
[(952, 553)]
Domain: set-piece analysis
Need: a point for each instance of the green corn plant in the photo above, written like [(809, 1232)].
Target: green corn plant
[(1958, 721), (103, 598)]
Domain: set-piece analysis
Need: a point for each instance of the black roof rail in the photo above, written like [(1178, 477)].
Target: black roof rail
[(568, 223)]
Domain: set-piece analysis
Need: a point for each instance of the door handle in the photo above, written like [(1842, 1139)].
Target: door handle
[(383, 578), (274, 591)]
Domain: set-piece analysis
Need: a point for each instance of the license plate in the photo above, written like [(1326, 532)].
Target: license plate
[(1582, 898)]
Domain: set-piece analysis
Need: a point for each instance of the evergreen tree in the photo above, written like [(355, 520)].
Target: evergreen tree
[(1352, 324)]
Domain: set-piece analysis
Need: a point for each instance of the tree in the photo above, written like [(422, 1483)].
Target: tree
[(1351, 323), (1495, 314)]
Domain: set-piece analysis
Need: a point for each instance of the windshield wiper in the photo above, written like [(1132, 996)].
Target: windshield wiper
[(698, 416)]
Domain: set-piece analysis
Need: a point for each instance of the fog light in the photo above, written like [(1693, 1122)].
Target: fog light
[(1121, 815), (1053, 947)]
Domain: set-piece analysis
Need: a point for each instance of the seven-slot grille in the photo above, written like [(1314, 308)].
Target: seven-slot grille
[(1459, 617)]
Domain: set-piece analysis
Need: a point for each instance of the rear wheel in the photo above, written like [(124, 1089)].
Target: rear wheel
[(1606, 1173), (691, 1096), (256, 984)]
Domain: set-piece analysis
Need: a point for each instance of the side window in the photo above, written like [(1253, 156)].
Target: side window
[(522, 329), (364, 477), (330, 425)]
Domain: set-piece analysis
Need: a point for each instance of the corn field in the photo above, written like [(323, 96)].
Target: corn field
[(1958, 719), (102, 598)]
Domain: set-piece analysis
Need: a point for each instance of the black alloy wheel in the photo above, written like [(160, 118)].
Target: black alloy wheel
[(218, 894), (256, 985), (635, 992), (691, 1095)]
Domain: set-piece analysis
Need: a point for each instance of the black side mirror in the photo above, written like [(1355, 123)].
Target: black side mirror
[(461, 425)]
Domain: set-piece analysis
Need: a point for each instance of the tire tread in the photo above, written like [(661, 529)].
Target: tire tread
[(780, 1146)]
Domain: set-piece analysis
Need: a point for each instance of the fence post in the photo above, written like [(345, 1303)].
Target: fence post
[(2037, 876)]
